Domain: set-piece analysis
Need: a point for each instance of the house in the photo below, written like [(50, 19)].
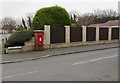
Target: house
[(111, 23), (105, 31)]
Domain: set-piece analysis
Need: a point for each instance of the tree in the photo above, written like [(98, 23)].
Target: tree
[(99, 16), (55, 16), (105, 13), (8, 24), (103, 16), (74, 17), (71, 18), (29, 20), (86, 19), (24, 24)]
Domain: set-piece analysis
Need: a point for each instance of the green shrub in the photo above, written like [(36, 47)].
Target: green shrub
[(73, 25), (30, 28), (20, 29), (54, 16), (19, 38)]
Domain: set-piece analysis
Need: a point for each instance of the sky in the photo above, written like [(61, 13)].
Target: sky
[(20, 8)]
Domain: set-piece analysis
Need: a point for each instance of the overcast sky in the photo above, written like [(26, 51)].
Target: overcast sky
[(19, 8)]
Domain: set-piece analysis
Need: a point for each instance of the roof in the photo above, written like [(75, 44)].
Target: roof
[(109, 23)]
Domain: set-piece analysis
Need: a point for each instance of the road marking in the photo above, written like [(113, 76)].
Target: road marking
[(94, 60), (46, 56), (20, 74)]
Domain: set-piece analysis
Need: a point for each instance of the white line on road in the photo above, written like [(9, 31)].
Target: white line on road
[(46, 56), (20, 74), (94, 60)]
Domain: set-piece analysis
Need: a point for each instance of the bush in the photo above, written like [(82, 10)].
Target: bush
[(20, 29), (19, 38), (30, 28), (55, 16), (73, 25)]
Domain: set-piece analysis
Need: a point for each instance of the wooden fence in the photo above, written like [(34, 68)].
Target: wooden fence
[(115, 33), (90, 34), (103, 33), (57, 35), (76, 34)]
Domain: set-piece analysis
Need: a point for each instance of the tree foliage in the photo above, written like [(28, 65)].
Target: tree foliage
[(55, 16)]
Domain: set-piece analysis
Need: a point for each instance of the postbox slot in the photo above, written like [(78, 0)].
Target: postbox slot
[(40, 39)]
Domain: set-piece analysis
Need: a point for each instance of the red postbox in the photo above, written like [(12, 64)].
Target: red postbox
[(39, 39)]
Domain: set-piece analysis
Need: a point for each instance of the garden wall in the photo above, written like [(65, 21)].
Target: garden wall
[(57, 37), (29, 46), (77, 36)]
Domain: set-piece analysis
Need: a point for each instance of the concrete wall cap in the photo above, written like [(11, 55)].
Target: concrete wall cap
[(66, 26), (46, 25), (38, 30)]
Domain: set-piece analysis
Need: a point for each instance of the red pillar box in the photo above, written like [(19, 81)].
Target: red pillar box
[(39, 40)]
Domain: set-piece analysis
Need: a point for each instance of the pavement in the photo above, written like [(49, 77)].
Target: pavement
[(99, 65), (34, 55)]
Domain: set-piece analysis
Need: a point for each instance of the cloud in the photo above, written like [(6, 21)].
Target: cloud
[(19, 8)]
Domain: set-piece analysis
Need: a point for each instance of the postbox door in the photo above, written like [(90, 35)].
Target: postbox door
[(40, 39)]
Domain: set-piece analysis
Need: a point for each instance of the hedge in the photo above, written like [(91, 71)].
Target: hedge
[(54, 16), (20, 29), (19, 38), (73, 25)]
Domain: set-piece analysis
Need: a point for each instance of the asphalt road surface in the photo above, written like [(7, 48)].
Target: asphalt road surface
[(99, 65)]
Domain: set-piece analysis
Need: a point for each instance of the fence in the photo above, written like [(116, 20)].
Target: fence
[(57, 35), (82, 34), (90, 34), (115, 33), (103, 33), (76, 34)]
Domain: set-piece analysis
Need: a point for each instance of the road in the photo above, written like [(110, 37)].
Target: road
[(101, 65)]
